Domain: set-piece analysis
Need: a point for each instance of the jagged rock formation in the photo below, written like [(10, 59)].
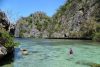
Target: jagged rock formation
[(74, 19), (6, 41), (78, 18), (3, 50), (4, 22), (12, 29), (35, 25)]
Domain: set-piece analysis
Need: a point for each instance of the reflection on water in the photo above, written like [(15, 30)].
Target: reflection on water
[(55, 53)]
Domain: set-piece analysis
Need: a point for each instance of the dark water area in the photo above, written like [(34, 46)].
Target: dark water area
[(55, 53)]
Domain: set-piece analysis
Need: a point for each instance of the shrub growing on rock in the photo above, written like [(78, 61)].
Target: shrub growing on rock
[(6, 40)]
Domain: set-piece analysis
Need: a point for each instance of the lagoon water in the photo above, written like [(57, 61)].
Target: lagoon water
[(55, 53)]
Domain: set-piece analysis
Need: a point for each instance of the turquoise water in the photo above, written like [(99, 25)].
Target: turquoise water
[(55, 53)]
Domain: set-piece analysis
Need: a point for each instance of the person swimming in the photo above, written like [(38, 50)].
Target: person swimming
[(71, 51)]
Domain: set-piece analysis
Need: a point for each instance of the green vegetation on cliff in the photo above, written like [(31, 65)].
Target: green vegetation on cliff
[(6, 40), (34, 25), (74, 19)]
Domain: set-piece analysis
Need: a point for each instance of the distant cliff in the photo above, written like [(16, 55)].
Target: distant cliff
[(74, 19), (35, 25)]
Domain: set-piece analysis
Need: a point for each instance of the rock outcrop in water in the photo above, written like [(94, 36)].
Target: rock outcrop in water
[(74, 19), (24, 51), (6, 41)]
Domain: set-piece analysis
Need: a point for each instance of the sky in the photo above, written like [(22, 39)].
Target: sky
[(22, 8)]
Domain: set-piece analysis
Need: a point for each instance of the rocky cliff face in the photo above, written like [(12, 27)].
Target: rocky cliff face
[(4, 23), (78, 17), (35, 25), (74, 19), (6, 41)]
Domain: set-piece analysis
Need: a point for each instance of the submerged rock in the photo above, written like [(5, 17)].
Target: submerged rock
[(95, 65)]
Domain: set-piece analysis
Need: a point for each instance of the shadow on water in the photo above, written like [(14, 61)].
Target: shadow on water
[(8, 59)]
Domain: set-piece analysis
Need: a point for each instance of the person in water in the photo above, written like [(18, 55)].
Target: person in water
[(71, 51)]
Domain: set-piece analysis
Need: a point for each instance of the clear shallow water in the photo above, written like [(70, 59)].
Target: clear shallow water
[(55, 53)]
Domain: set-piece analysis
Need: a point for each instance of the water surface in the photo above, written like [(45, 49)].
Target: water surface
[(55, 53)]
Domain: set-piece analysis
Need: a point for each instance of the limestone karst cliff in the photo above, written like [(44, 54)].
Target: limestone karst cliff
[(78, 18), (6, 41), (35, 25), (74, 19)]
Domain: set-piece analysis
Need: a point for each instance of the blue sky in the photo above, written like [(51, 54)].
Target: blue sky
[(17, 8)]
